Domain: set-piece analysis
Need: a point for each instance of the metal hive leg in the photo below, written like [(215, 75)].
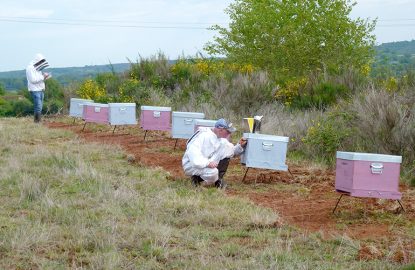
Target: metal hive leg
[(399, 201), (246, 171), (341, 196), (84, 126)]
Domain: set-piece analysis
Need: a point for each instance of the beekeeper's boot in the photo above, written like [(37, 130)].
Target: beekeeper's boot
[(222, 168), (196, 180), (37, 117)]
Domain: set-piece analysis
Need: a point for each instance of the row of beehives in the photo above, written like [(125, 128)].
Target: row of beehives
[(182, 125), (358, 174)]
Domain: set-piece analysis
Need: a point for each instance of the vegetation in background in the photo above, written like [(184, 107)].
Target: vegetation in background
[(295, 37)]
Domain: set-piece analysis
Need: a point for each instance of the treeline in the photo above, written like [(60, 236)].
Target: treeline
[(16, 80), (394, 59)]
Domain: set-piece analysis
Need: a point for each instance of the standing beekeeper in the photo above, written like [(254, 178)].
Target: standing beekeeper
[(208, 154), (36, 83)]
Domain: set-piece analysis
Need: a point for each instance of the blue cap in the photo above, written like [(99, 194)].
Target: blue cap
[(222, 123)]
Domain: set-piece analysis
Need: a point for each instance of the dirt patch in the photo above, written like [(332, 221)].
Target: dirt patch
[(304, 197)]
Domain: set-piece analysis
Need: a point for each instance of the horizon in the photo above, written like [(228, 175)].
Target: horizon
[(121, 63)]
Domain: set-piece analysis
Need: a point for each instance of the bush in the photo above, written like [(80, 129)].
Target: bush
[(153, 72), (53, 106), (6, 108), (385, 124), (244, 94), (109, 83), (90, 89), (22, 107), (132, 90), (2, 90), (328, 135)]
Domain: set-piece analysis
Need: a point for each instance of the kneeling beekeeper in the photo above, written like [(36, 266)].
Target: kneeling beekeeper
[(208, 154)]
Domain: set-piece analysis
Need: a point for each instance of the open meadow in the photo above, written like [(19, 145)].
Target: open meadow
[(85, 201)]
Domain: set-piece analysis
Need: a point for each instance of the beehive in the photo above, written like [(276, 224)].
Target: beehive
[(368, 175)]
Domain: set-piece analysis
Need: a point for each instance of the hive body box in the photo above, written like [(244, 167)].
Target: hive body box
[(368, 175), (204, 123), (76, 106), (122, 114), (155, 118), (265, 151), (183, 124), (96, 113)]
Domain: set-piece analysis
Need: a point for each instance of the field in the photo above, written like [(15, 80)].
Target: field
[(98, 200)]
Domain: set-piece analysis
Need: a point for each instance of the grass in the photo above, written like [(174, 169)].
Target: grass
[(67, 204)]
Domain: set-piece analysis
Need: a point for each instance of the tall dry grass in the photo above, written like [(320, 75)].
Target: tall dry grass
[(67, 204)]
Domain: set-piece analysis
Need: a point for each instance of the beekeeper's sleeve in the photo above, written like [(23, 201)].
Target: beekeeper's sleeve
[(34, 76)]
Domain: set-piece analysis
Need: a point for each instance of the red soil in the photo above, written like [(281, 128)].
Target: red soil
[(304, 199)]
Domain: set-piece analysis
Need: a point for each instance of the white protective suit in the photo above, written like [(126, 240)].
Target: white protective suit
[(34, 75), (203, 148)]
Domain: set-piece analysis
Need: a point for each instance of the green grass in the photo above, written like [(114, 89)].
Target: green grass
[(66, 204)]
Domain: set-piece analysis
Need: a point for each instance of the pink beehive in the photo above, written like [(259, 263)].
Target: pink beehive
[(155, 118), (368, 175), (96, 113)]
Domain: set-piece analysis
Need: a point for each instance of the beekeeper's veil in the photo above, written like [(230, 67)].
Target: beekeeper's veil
[(39, 62)]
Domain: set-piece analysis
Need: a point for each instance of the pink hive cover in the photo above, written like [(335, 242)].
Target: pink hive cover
[(365, 178), (96, 113), (155, 120)]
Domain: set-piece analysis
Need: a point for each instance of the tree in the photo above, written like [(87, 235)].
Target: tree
[(294, 36)]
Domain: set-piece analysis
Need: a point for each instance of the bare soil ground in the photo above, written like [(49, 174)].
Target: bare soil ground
[(304, 199)]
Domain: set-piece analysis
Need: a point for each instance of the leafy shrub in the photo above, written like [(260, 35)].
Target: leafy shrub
[(90, 89), (132, 90), (291, 90), (22, 107), (328, 135), (2, 90), (53, 106), (154, 71), (182, 70), (6, 108), (110, 83), (299, 93), (53, 90)]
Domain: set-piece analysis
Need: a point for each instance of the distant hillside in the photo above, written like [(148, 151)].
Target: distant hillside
[(394, 59), (399, 48), (16, 80)]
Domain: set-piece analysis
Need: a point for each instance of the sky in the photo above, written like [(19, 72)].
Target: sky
[(95, 32)]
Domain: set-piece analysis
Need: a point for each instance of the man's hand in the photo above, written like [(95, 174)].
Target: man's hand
[(242, 142), (46, 75), (212, 164)]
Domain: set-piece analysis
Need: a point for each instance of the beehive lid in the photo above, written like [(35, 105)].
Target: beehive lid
[(368, 157), (189, 114), (205, 122), (97, 105), (82, 100), (266, 137), (155, 108), (122, 104)]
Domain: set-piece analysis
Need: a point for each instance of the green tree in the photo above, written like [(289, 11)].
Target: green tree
[(294, 36)]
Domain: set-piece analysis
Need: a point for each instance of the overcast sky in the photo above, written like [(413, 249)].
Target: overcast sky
[(94, 32)]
